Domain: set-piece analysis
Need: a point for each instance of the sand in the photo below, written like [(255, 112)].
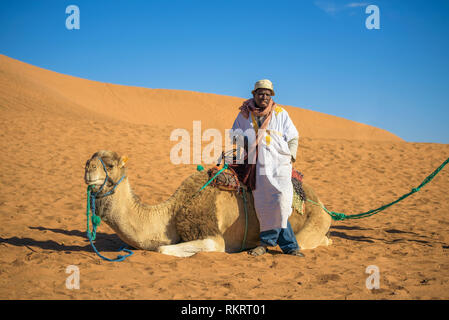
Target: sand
[(52, 123)]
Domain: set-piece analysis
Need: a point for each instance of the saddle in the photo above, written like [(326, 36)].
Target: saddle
[(230, 180), (227, 180)]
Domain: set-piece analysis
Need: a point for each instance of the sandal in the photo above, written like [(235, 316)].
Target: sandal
[(258, 251), (296, 252)]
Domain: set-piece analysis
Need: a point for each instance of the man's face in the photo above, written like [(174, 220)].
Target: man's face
[(262, 97)]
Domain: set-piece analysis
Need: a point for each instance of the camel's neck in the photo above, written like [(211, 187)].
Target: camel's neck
[(140, 225)]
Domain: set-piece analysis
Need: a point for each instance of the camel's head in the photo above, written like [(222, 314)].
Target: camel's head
[(95, 174)]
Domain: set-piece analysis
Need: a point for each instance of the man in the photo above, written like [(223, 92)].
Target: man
[(273, 147)]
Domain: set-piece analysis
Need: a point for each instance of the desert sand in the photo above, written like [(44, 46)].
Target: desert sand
[(52, 123)]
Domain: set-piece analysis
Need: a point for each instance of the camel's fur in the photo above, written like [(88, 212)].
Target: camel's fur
[(189, 222)]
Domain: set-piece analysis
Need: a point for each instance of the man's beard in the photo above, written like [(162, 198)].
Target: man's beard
[(259, 107)]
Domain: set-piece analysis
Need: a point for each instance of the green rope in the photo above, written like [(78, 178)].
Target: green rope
[(245, 204), (96, 220), (220, 171), (225, 166), (338, 216)]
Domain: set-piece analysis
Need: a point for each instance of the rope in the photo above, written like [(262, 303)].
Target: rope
[(95, 223), (220, 171), (225, 166), (95, 219), (338, 216), (245, 203), (91, 196), (119, 257)]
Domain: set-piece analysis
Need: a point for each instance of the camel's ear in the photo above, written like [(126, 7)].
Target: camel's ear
[(122, 161)]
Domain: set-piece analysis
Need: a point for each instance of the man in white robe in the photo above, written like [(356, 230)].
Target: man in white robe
[(274, 140)]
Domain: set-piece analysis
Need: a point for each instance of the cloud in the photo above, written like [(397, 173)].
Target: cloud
[(356, 4), (327, 6), (331, 8)]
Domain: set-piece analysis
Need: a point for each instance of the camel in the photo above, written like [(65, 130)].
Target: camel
[(189, 221)]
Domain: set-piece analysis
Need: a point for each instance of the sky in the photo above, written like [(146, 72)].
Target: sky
[(319, 54)]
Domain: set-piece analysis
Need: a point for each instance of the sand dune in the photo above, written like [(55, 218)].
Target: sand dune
[(28, 88), (52, 123)]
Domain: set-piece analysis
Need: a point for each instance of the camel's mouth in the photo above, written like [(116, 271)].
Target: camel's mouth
[(94, 182)]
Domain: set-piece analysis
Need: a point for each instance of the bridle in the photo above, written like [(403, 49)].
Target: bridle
[(91, 196), (106, 179)]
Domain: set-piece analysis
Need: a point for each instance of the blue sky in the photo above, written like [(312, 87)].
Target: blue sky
[(318, 53)]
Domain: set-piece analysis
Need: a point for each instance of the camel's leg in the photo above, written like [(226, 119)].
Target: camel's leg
[(187, 249), (314, 232)]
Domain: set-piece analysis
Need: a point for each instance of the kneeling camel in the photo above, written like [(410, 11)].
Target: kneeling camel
[(213, 220)]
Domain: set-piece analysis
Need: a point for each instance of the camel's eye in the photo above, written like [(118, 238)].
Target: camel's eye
[(109, 167)]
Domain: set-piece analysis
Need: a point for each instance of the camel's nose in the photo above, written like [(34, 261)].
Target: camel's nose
[(90, 172)]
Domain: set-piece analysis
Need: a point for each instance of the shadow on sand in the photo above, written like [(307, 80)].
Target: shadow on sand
[(104, 242), (399, 235)]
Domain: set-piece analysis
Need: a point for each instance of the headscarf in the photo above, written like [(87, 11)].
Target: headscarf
[(247, 171)]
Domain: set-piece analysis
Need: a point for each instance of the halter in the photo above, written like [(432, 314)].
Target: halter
[(91, 196), (104, 183)]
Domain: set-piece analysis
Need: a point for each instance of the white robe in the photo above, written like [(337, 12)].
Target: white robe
[(273, 197)]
